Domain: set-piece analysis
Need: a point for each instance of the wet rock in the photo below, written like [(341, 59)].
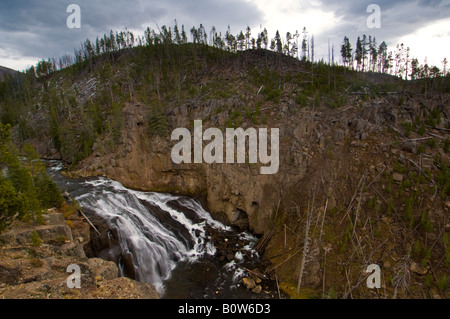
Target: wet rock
[(257, 289), (249, 283), (128, 263)]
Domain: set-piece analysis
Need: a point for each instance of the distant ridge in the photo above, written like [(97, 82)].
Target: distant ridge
[(5, 70)]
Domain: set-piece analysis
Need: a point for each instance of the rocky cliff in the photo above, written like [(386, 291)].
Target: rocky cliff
[(324, 154), (34, 261), (364, 158)]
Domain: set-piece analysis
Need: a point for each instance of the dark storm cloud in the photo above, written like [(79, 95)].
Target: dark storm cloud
[(38, 28), (398, 18)]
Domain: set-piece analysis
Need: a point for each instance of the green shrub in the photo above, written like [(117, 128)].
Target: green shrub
[(421, 130), (432, 143), (443, 283), (36, 262), (157, 121), (301, 100), (443, 181), (446, 146), (390, 206), (35, 240), (408, 128), (425, 223), (447, 250), (11, 203)]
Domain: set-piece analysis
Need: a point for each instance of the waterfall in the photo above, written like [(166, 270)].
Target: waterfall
[(153, 232), (155, 247)]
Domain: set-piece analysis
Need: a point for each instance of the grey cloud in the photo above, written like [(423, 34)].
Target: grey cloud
[(398, 18), (36, 28)]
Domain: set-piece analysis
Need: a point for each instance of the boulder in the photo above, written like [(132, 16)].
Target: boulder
[(397, 177), (249, 283), (106, 269), (427, 163), (409, 146), (419, 269), (257, 289)]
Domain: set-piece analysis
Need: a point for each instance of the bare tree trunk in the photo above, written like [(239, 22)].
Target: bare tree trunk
[(306, 242)]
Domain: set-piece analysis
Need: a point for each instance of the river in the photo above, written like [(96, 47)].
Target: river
[(171, 241)]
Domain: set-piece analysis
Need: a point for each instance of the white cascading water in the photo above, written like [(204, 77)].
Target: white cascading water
[(155, 249)]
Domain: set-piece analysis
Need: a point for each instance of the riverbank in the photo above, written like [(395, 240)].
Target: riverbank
[(34, 258), (167, 240)]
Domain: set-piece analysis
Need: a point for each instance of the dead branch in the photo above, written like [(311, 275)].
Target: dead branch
[(354, 195), (323, 219), (309, 216)]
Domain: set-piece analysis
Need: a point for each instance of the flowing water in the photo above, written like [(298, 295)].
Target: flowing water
[(168, 238)]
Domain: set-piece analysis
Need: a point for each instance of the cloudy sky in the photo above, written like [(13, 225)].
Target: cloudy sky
[(31, 30)]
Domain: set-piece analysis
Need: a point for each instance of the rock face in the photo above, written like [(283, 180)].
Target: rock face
[(40, 270), (238, 193), (235, 193), (321, 149)]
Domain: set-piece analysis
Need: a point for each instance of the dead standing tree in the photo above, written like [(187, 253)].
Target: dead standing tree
[(305, 257)]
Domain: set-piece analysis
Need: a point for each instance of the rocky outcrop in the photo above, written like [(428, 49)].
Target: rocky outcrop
[(322, 150), (34, 263), (238, 193)]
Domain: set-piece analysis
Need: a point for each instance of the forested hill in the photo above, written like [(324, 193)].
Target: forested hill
[(83, 101), (6, 72), (76, 99), (364, 154)]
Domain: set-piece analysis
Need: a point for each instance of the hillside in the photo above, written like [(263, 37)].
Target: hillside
[(364, 157), (6, 71)]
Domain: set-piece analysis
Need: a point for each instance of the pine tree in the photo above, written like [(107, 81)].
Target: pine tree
[(240, 41), (265, 38), (177, 33), (358, 53), (346, 52), (278, 43), (383, 56), (374, 54), (11, 203), (444, 67), (415, 69), (259, 41), (212, 36), (248, 33), (364, 51), (304, 43), (157, 121), (287, 46)]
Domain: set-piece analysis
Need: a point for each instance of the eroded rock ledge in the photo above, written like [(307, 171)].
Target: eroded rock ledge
[(34, 261)]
